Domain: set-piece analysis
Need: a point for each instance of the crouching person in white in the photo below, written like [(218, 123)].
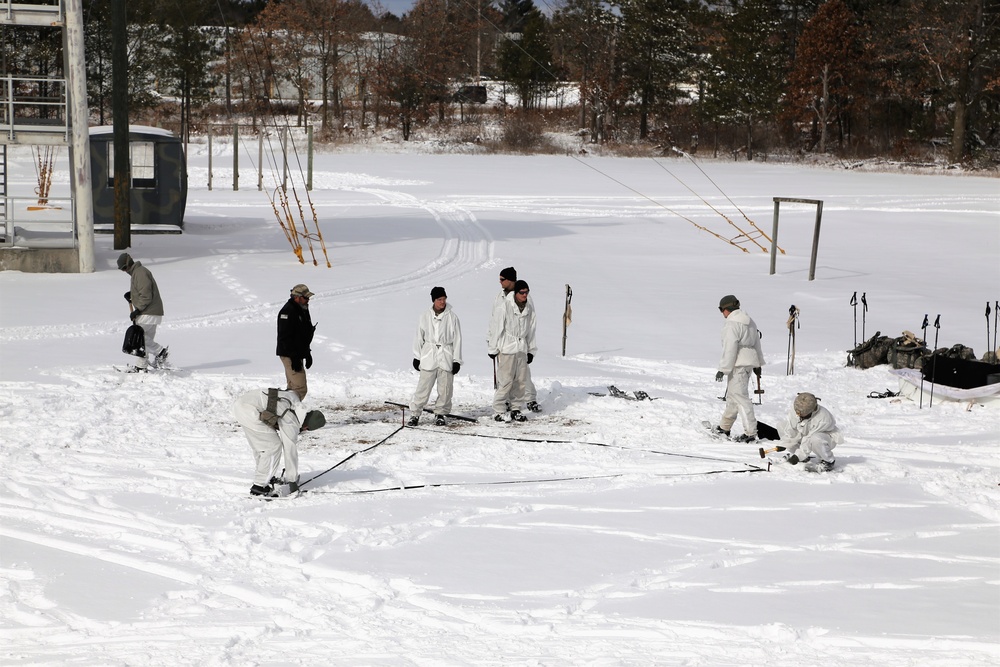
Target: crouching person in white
[(437, 356), (272, 420), (810, 431)]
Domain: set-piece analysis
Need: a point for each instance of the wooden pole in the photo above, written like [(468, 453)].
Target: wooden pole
[(119, 112), (236, 156)]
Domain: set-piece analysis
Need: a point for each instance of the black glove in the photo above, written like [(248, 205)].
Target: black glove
[(531, 357), (416, 364), (134, 314), (309, 360), (455, 366), (719, 376), (297, 365), (756, 372), (493, 356), (128, 296)]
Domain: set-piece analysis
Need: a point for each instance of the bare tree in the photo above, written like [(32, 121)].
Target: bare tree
[(829, 59)]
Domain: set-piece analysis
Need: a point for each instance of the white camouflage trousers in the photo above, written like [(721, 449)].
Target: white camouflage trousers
[(738, 401), (512, 382), (445, 385)]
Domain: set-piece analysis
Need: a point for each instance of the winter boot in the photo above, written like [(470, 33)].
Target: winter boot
[(745, 438), (498, 418), (258, 490), (534, 406), (413, 421), (720, 432), (516, 416), (439, 420)]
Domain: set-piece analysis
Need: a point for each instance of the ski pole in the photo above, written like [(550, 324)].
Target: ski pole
[(854, 302), (987, 328), (793, 316), (996, 311), (494, 373), (924, 328), (937, 330), (864, 314), (759, 391)]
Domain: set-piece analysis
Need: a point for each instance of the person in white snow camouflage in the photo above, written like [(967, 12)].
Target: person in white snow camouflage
[(147, 309), (507, 279), (810, 431), (741, 355), (437, 356), (276, 440), (295, 334), (512, 345)]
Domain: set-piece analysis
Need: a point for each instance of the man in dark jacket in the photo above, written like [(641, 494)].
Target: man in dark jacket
[(295, 334), (147, 309)]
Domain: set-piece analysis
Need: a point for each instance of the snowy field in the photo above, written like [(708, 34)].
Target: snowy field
[(601, 532)]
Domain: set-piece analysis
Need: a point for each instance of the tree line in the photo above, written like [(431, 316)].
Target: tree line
[(848, 77)]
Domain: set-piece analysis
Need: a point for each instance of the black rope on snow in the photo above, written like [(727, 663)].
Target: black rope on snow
[(360, 451), (751, 468), (435, 485), (581, 442)]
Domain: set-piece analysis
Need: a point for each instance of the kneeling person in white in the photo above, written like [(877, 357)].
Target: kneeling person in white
[(810, 431), (437, 355), (273, 444)]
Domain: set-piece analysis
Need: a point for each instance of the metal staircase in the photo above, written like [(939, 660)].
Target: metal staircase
[(39, 111)]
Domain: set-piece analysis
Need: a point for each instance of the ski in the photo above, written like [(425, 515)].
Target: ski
[(428, 410), (710, 427), (809, 465), (131, 370), (281, 491), (615, 392)]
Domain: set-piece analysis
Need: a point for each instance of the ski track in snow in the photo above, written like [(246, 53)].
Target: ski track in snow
[(269, 578), (217, 578), (466, 246)]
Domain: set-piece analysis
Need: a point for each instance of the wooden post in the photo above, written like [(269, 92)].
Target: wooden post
[(236, 156), (815, 247), (119, 109), (774, 235), (210, 157), (309, 159), (284, 159)]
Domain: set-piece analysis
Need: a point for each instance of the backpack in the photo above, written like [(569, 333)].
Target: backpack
[(135, 341), (907, 351), (269, 415), (872, 352)]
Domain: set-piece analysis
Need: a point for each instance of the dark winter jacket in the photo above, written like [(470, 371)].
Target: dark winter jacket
[(295, 331)]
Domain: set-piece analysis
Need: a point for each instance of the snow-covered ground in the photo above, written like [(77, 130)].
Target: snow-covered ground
[(602, 531)]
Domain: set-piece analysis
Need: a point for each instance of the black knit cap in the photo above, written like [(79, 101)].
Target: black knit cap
[(510, 273), (520, 285), (437, 293)]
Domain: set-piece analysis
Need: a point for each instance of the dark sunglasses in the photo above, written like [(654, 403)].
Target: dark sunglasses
[(524, 291)]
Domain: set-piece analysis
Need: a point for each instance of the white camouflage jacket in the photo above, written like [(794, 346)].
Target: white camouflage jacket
[(438, 341)]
